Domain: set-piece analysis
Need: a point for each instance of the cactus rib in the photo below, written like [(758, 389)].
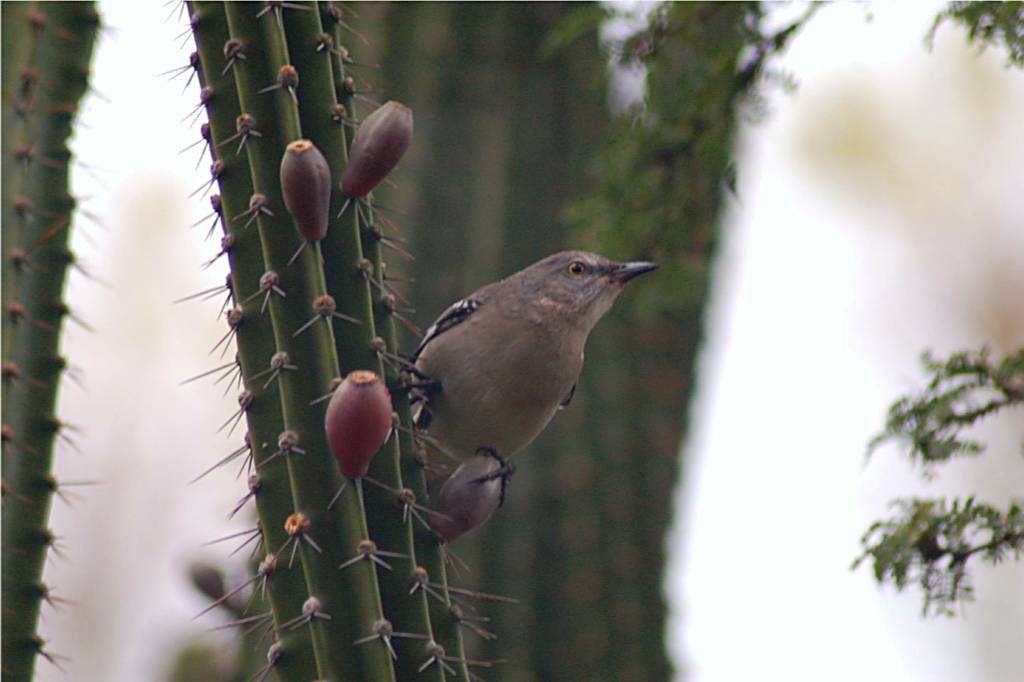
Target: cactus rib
[(254, 341), (429, 554), (20, 83), (310, 50)]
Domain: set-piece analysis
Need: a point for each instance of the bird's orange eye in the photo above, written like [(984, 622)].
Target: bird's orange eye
[(577, 268)]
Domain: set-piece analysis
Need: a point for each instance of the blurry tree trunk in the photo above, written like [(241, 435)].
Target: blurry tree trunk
[(504, 146), (504, 139)]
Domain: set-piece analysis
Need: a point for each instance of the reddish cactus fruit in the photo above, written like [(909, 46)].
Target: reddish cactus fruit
[(467, 499), (380, 141), (306, 186), (358, 421)]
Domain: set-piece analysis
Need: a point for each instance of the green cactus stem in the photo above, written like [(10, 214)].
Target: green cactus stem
[(343, 604), (57, 45), (20, 83), (444, 619), (358, 346), (254, 337), (429, 555)]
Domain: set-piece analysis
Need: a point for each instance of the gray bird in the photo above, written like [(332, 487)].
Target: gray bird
[(496, 366)]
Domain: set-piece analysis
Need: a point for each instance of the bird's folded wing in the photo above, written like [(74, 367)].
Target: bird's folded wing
[(455, 313)]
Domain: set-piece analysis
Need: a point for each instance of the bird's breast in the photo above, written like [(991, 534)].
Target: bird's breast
[(497, 393)]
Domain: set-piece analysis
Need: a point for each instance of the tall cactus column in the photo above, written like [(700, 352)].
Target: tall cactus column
[(338, 604), (352, 273), (47, 49), (301, 316)]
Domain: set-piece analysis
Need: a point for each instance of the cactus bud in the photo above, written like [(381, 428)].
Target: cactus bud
[(358, 421), (380, 141), (208, 579), (465, 501), (306, 187)]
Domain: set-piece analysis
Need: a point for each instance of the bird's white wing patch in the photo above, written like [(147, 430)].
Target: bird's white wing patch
[(453, 315)]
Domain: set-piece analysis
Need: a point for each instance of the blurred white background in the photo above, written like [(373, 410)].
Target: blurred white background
[(878, 215)]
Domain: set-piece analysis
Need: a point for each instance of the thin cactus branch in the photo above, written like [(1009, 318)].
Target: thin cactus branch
[(428, 553), (37, 255), (254, 340), (312, 51), (427, 550), (20, 84)]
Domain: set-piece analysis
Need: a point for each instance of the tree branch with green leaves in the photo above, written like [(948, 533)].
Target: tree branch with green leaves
[(988, 24), (929, 542)]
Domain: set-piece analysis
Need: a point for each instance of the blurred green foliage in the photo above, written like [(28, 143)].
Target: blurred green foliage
[(988, 24), (964, 388), (928, 542), (200, 660), (238, 661), (669, 158)]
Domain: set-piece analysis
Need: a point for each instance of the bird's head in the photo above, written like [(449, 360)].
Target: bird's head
[(580, 284)]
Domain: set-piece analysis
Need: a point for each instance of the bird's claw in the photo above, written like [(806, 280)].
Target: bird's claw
[(428, 387), (422, 385), (503, 472)]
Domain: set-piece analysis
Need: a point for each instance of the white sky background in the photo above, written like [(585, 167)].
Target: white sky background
[(879, 215)]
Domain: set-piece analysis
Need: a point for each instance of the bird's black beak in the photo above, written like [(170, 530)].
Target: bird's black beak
[(624, 272)]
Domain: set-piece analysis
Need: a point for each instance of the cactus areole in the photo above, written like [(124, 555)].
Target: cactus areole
[(358, 421), (379, 144), (306, 188)]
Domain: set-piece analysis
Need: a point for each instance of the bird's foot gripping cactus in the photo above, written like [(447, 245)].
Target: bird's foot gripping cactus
[(355, 578), (47, 48)]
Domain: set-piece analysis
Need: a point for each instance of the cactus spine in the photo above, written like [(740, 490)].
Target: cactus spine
[(47, 48), (274, 67)]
